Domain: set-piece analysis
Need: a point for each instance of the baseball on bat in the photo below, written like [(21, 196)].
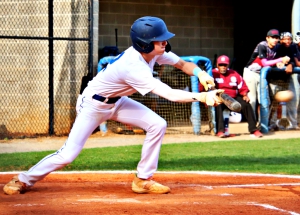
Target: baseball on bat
[(227, 100)]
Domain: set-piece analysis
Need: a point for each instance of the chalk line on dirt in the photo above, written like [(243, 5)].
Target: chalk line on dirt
[(273, 208)]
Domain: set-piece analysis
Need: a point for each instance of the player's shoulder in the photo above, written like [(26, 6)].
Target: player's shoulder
[(169, 54), (293, 47), (231, 71), (215, 70), (262, 43), (133, 57), (216, 73)]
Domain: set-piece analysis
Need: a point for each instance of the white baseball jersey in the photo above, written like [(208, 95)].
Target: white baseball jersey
[(127, 74)]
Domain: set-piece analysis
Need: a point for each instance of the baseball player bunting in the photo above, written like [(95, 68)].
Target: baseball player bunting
[(106, 98)]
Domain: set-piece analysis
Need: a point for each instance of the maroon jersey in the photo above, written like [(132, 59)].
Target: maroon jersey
[(231, 82)]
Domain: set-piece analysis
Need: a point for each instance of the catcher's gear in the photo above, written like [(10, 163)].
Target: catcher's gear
[(210, 98), (147, 29)]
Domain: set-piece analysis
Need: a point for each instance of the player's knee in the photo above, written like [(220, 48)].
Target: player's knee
[(64, 159), (67, 160), (160, 125), (163, 124)]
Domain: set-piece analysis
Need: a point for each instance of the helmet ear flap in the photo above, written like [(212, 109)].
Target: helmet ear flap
[(148, 48), (142, 46), (168, 47)]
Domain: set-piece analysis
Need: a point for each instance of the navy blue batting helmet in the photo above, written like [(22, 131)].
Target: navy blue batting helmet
[(147, 29)]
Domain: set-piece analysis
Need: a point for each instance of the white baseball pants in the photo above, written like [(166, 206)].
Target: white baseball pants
[(90, 114)]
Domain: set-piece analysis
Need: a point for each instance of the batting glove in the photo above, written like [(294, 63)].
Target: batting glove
[(210, 98), (204, 78)]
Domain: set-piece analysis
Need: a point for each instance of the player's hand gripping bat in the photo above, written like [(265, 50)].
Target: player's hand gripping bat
[(227, 100)]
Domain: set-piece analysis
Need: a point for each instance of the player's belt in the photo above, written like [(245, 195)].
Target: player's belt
[(106, 100)]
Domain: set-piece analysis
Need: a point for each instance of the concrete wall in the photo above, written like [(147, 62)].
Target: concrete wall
[(24, 80), (202, 27)]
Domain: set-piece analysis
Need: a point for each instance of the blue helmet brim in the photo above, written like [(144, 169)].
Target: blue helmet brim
[(164, 37)]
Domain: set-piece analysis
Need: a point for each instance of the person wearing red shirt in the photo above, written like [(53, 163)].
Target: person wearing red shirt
[(234, 85)]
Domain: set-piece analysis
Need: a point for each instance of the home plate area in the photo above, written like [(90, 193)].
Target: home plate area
[(191, 193)]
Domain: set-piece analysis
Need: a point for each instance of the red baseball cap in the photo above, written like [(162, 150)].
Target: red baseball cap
[(223, 59)]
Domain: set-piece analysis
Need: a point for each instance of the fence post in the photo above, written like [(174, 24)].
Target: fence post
[(196, 112)]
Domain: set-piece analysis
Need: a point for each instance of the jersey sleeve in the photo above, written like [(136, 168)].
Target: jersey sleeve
[(141, 80), (262, 51), (168, 58)]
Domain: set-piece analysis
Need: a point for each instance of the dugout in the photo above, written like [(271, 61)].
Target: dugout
[(273, 75), (196, 118)]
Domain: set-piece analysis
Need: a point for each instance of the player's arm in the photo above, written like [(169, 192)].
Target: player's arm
[(297, 62), (262, 53), (243, 88), (266, 62), (175, 95), (192, 69)]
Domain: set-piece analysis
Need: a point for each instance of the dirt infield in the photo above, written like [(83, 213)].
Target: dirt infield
[(110, 192), (191, 193)]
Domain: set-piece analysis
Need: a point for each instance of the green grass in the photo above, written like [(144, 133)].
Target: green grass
[(279, 156)]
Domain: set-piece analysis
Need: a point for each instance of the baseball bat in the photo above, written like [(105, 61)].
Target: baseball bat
[(227, 100)]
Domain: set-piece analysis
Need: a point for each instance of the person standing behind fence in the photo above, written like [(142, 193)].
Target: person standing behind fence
[(263, 55), (106, 97), (233, 84)]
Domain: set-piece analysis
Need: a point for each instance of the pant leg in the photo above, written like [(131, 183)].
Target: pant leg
[(90, 115), (247, 111), (292, 106), (136, 114), (273, 113), (252, 80), (219, 117)]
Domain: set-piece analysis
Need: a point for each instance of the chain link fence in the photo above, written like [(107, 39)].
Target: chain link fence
[(44, 52), (177, 115)]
